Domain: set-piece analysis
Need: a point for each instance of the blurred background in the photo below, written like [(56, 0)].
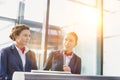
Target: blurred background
[(97, 23)]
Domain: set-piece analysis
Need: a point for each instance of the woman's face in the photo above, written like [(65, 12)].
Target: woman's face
[(69, 42), (23, 38)]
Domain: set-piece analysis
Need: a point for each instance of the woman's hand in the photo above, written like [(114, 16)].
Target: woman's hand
[(66, 68)]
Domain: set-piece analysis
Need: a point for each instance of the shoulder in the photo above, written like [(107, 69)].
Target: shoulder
[(30, 52), (6, 49), (77, 57), (54, 52)]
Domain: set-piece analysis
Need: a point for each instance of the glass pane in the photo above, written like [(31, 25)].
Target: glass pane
[(35, 17), (36, 39), (5, 32), (9, 8), (112, 37), (34, 10), (34, 13), (83, 20)]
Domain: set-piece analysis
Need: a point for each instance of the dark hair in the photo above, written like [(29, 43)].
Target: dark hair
[(74, 35), (17, 29)]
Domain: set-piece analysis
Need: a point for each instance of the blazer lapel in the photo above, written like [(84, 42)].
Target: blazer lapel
[(17, 56), (27, 65), (58, 57), (61, 60), (72, 62)]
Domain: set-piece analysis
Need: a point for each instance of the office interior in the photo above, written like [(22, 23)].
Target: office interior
[(95, 21)]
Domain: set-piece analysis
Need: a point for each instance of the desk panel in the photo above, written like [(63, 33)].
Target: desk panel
[(52, 76)]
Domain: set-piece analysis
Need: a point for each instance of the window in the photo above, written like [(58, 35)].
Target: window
[(5, 29), (9, 8), (82, 19), (112, 37)]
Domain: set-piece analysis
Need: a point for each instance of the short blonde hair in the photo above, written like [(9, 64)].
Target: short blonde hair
[(74, 35)]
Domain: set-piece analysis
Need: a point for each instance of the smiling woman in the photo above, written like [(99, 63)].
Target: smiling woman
[(65, 59)]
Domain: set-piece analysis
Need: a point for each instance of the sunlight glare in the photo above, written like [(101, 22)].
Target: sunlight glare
[(89, 15)]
